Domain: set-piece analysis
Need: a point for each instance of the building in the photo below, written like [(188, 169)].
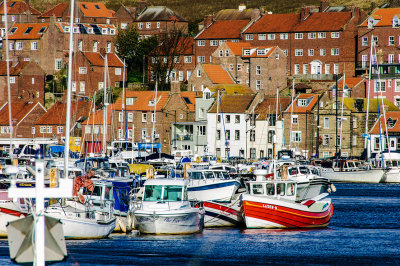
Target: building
[(384, 132), (207, 75), (26, 82), (125, 16), (17, 12)]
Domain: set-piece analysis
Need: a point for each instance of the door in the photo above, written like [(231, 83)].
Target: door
[(316, 67)]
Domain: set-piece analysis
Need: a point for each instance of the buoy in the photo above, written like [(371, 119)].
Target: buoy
[(333, 188)]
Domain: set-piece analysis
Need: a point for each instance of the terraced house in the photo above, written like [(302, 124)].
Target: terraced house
[(17, 12)]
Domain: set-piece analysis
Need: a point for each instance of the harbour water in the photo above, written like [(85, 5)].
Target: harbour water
[(365, 229)]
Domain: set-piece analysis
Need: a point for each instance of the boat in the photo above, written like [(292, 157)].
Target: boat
[(391, 162), (218, 214), (272, 204), (10, 210), (165, 209), (347, 171), (211, 185)]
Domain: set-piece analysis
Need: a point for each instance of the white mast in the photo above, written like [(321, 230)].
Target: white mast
[(291, 120), (123, 104), (341, 115), (154, 115), (105, 105), (8, 80), (367, 138)]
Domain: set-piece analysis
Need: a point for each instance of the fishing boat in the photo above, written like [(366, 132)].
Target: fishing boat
[(211, 185), (165, 209), (274, 203), (218, 214)]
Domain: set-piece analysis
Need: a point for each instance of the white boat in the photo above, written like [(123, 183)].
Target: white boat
[(10, 210), (348, 171), (165, 209), (391, 162), (211, 185)]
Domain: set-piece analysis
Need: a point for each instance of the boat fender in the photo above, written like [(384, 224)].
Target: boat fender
[(329, 190), (333, 188)]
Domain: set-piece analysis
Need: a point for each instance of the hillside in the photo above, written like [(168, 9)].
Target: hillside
[(195, 10)]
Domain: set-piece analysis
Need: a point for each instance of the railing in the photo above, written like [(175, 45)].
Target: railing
[(313, 76)]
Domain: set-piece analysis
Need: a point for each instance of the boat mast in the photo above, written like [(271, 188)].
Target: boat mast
[(123, 105), (8, 81), (154, 115), (367, 138), (105, 105), (291, 119), (216, 125), (341, 115)]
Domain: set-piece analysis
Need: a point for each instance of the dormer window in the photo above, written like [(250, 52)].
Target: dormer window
[(129, 101), (303, 102), (395, 22), (28, 30), (151, 103), (76, 30), (112, 32), (370, 23), (90, 30), (13, 31), (66, 29), (391, 123), (261, 52), (246, 52), (97, 6), (84, 6), (103, 31)]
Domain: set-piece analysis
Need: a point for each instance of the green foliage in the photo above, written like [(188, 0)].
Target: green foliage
[(112, 96), (56, 83)]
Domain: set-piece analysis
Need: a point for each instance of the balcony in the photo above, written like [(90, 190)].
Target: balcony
[(184, 137), (313, 76)]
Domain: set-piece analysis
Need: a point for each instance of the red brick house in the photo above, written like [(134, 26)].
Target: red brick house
[(214, 34), (125, 16), (24, 117), (156, 20), (207, 75), (26, 82), (17, 12)]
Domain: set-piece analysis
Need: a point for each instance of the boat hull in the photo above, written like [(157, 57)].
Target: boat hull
[(222, 214), (367, 176), (8, 214), (169, 222), (268, 212), (216, 190), (392, 176)]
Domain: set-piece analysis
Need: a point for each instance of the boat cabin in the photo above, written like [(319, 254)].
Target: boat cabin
[(208, 174), (283, 189), (165, 190)]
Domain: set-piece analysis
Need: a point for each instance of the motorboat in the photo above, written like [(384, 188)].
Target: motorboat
[(219, 214), (211, 185), (165, 209)]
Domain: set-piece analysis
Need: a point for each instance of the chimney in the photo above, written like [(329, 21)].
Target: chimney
[(255, 13), (355, 11), (323, 5), (305, 12), (208, 20), (241, 7), (175, 86)]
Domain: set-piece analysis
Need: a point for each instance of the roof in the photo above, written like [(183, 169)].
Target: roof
[(233, 103), (189, 98), (256, 51), (93, 9), (232, 88), (97, 117), (384, 15), (274, 23), (17, 7), (394, 116), (223, 29), (96, 59), (311, 101), (350, 82), (233, 14), (184, 46), (56, 11), (18, 112), (268, 106), (56, 115), (324, 21), (159, 13), (373, 105), (237, 47), (27, 31), (14, 69), (217, 74), (142, 101)]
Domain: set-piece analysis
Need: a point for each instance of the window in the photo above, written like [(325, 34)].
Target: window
[(380, 86), (12, 46), (322, 52), (144, 133), (298, 36), (33, 80), (298, 52), (252, 135), (335, 51), (201, 59), (295, 119), (12, 80), (188, 59), (226, 52), (258, 70), (375, 40), (391, 58), (296, 136), (327, 69), (284, 36), (34, 46), (364, 41), (33, 130), (326, 122), (153, 117), (354, 142), (129, 101), (258, 84), (118, 71), (148, 25), (325, 140), (80, 45), (120, 117), (158, 25), (50, 129), (239, 67), (228, 134), (20, 46), (397, 85), (271, 36), (42, 129), (310, 52), (218, 134), (188, 74), (201, 130), (100, 85), (237, 134), (296, 69), (13, 30), (130, 117), (227, 119), (213, 43), (74, 86), (237, 119), (334, 35), (124, 25), (305, 69), (198, 73), (262, 37), (261, 52), (60, 130), (140, 25), (201, 43), (338, 139), (336, 69), (82, 86), (249, 37), (144, 117), (58, 63), (82, 70), (321, 35), (180, 75), (95, 46), (285, 51), (302, 102), (253, 156), (108, 48), (312, 35), (391, 40)]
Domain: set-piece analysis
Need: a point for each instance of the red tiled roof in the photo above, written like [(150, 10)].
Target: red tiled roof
[(90, 9), (237, 47), (17, 7), (14, 69), (385, 15), (268, 106), (324, 21), (217, 74), (274, 23), (395, 129), (350, 82), (313, 98), (98, 117), (142, 99), (184, 46), (19, 33), (191, 95), (56, 115), (233, 103), (97, 59), (56, 11), (18, 111), (223, 29)]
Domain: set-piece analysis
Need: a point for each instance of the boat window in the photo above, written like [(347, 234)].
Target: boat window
[(270, 189), (209, 174), (280, 189), (96, 191), (108, 194), (293, 171), (394, 163), (289, 189), (258, 189), (304, 170), (152, 192), (196, 175), (172, 193), (248, 187)]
